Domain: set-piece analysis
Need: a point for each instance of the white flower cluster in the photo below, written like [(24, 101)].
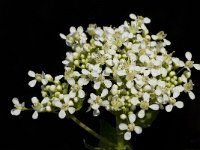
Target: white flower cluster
[(129, 70)]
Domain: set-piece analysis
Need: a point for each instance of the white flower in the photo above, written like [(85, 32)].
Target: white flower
[(130, 127), (66, 106), (76, 88), (97, 101), (18, 107), (189, 63)]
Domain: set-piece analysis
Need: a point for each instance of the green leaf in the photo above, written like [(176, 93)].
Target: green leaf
[(108, 131)]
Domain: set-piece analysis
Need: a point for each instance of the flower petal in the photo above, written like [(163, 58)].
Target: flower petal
[(132, 118), (168, 108), (81, 94), (62, 36), (127, 136), (135, 101), (61, 114), (188, 55), (154, 106), (197, 66), (133, 16), (71, 81), (191, 95), (96, 112), (15, 101), (31, 73), (71, 110), (179, 104), (93, 96), (15, 112), (32, 83), (35, 115), (123, 126), (108, 83), (104, 92), (138, 129), (97, 85), (72, 94), (58, 104), (147, 20), (141, 113)]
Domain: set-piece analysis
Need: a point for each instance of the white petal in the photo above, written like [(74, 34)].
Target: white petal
[(97, 85), (66, 98), (176, 94), (121, 72), (141, 113), (168, 108), (104, 92), (57, 78), (123, 126), (127, 136), (105, 103), (71, 110), (71, 81), (93, 96), (35, 115), (31, 73), (108, 83), (15, 112), (32, 83), (132, 118), (197, 66), (133, 16), (95, 106), (129, 84), (188, 55), (44, 81), (109, 62), (179, 104), (146, 97), (191, 95), (138, 129), (34, 100), (85, 72), (154, 37), (154, 106), (72, 94), (81, 94), (82, 81), (45, 100), (62, 36), (135, 101), (15, 101), (95, 74), (62, 114), (147, 20), (72, 29), (96, 112), (58, 104)]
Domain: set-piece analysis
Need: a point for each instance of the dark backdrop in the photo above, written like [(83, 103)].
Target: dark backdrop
[(30, 40)]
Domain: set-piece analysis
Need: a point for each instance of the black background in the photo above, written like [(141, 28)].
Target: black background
[(30, 40)]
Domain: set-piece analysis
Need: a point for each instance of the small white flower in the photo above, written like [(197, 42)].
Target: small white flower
[(189, 63), (130, 127), (18, 107)]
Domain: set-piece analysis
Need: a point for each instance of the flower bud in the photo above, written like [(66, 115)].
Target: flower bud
[(123, 116)]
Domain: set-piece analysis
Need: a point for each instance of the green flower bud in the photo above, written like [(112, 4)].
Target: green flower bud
[(187, 74), (123, 116), (76, 62), (172, 73)]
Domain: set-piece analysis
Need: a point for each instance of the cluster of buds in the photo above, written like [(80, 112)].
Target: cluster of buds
[(129, 70)]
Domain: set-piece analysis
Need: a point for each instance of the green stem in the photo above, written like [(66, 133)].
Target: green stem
[(85, 127), (120, 136)]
